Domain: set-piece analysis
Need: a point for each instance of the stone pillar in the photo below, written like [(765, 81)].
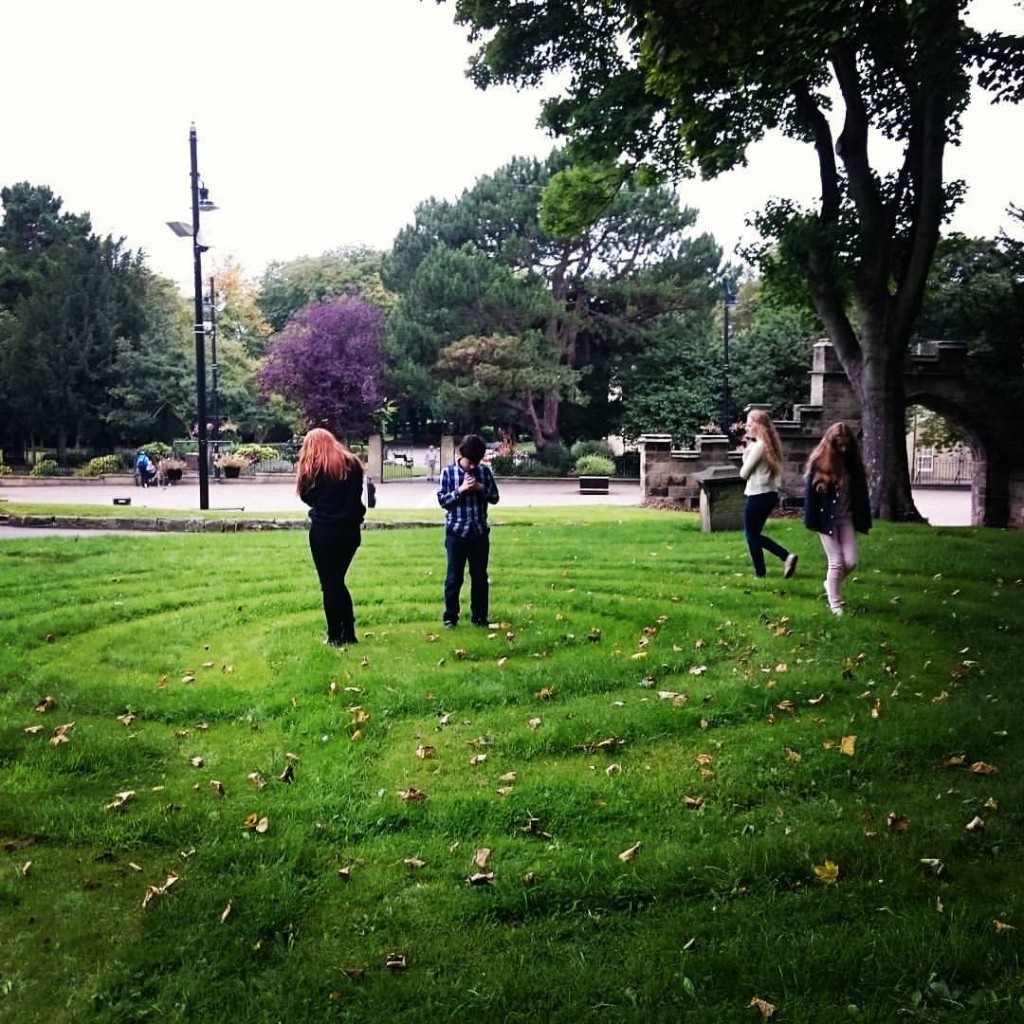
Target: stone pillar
[(655, 462), (445, 452), (375, 458), (721, 499)]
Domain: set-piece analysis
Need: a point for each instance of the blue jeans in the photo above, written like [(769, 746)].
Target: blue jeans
[(756, 510), (462, 550)]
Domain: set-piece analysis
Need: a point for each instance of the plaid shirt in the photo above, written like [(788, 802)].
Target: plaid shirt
[(466, 513)]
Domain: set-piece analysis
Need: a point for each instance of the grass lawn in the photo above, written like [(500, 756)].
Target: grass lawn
[(656, 789)]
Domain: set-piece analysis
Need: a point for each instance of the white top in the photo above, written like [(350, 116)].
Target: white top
[(756, 471)]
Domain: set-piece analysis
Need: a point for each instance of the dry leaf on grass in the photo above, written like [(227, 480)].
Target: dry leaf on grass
[(896, 822), (226, 912), (155, 891), (976, 824), (414, 863), (424, 751), (411, 795), (126, 719), (848, 745), (481, 878), (395, 962), (630, 854), (765, 1008), (480, 857), (44, 705), (255, 823), (827, 873), (60, 734), (120, 799)]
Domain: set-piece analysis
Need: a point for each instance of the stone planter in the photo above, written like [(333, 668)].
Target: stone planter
[(172, 476), (593, 485), (231, 472)]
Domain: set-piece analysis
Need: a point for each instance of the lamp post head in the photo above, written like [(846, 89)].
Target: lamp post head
[(206, 204)]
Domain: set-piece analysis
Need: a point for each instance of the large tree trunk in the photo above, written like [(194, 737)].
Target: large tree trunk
[(883, 404)]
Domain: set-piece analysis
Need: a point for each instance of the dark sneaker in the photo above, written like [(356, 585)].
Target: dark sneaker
[(449, 625), (481, 622), (790, 566)]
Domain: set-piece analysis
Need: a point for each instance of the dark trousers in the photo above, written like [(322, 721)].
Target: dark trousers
[(333, 548), (462, 550), (756, 510)]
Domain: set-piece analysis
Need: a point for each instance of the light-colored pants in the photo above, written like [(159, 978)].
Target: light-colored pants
[(841, 554)]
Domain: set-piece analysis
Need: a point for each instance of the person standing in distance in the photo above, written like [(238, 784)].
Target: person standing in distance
[(466, 488), (329, 478), (837, 505), (431, 462), (762, 470)]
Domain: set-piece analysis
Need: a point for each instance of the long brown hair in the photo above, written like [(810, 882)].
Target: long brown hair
[(322, 454), (835, 452), (761, 428)]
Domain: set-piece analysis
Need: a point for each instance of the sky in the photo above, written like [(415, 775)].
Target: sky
[(323, 123)]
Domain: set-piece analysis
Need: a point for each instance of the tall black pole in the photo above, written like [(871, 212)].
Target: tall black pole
[(215, 436), (197, 262), (726, 299)]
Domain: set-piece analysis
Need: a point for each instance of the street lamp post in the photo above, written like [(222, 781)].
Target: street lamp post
[(728, 303), (200, 329), (200, 202), (214, 412)]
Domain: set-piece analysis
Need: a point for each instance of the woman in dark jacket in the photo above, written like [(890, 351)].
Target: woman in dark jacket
[(836, 505), (329, 479)]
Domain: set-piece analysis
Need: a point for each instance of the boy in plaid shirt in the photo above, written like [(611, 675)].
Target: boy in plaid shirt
[(467, 487)]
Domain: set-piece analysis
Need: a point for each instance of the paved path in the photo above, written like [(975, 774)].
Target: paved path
[(280, 496), (940, 507)]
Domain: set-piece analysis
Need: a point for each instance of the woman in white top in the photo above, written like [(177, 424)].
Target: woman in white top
[(762, 469)]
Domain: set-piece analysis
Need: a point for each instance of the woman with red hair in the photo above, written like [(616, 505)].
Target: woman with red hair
[(329, 479), (836, 505)]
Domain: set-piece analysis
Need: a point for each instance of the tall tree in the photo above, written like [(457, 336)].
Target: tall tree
[(328, 363), (288, 286), (610, 255), (72, 295), (691, 86)]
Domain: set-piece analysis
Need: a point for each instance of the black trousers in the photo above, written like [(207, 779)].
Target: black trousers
[(756, 510), (333, 548), (475, 551)]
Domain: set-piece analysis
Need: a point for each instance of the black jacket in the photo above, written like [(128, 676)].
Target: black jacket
[(336, 502), (820, 506)]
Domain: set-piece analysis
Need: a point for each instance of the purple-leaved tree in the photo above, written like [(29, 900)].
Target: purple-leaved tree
[(328, 363)]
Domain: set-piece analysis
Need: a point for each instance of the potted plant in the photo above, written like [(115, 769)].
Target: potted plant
[(170, 469), (594, 472), (231, 465)]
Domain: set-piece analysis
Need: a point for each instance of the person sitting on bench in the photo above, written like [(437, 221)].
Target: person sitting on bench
[(145, 471)]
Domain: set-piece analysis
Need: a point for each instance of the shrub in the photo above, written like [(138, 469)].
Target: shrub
[(101, 466), (256, 452), (157, 450), (4, 468), (232, 459), (44, 467), (595, 465), (504, 465), (555, 460), (581, 448)]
